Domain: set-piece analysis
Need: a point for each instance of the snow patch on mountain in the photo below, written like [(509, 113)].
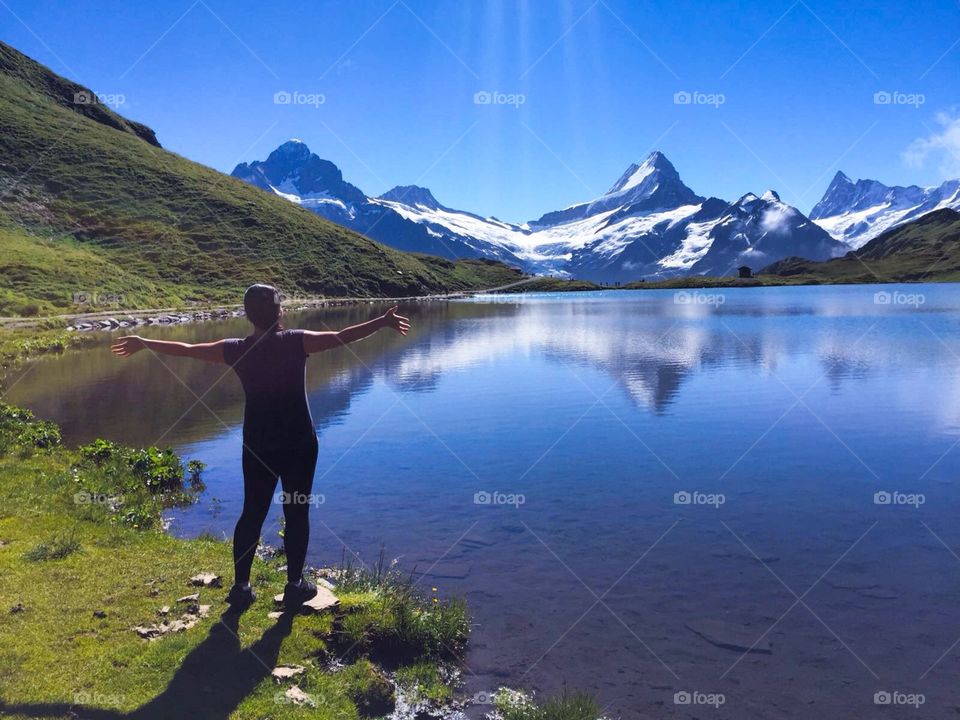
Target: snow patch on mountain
[(649, 224), (696, 243), (857, 212)]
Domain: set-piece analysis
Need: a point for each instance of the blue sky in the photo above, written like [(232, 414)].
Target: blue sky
[(786, 89)]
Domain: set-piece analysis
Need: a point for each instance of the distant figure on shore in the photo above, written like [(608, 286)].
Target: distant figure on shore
[(279, 439)]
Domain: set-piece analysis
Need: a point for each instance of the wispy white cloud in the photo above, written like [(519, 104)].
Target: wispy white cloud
[(942, 144), (777, 218)]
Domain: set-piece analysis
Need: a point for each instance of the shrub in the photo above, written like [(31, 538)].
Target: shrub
[(195, 470), (99, 451), (145, 481), (41, 434), (55, 548), (19, 427), (393, 621), (30, 309)]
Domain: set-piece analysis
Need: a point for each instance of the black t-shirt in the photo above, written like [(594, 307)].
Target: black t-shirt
[(272, 370)]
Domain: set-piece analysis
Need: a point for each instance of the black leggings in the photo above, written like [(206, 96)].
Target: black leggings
[(295, 467)]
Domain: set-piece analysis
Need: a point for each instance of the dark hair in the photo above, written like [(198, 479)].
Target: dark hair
[(261, 303)]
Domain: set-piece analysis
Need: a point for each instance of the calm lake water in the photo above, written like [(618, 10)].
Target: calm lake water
[(534, 454)]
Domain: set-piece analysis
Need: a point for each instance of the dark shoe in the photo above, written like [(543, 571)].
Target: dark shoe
[(241, 596), (296, 594)]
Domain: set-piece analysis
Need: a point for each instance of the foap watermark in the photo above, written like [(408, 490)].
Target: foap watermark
[(295, 696), (298, 299), (695, 497), (84, 497), (496, 298), (484, 697), (295, 97), (299, 498), (685, 97), (686, 297), (87, 698), (895, 697), (895, 97), (695, 697), (89, 97), (495, 97), (499, 498), (914, 500), (86, 297), (898, 297)]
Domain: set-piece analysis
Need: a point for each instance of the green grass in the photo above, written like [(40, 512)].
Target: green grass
[(552, 284), (56, 548), (704, 282), (513, 705), (19, 344), (391, 620), (80, 574), (89, 206), (425, 681)]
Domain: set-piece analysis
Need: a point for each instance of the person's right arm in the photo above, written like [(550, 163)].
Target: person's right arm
[(208, 352)]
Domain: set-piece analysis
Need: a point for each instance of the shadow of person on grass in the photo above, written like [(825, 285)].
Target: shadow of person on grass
[(212, 681)]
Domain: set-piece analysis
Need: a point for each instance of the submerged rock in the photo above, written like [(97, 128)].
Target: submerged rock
[(863, 588), (723, 635)]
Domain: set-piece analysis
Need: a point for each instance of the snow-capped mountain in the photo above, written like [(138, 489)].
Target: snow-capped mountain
[(857, 212), (647, 225), (294, 173), (653, 185)]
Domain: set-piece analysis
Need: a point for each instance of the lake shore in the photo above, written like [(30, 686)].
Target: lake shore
[(153, 606), (145, 630), (117, 317)]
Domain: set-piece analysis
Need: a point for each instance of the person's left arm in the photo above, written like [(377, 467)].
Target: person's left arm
[(314, 342), (208, 352)]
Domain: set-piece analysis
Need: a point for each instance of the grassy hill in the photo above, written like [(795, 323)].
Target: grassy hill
[(91, 204), (927, 249)]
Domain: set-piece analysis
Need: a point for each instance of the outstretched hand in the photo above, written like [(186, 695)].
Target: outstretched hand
[(127, 346), (397, 322)]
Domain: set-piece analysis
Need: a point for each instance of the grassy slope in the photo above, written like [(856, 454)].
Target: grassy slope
[(927, 249), (702, 281), (87, 204)]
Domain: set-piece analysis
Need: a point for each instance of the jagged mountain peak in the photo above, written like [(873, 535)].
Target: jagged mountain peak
[(412, 195), (653, 184), (293, 169), (839, 179), (294, 147), (655, 163), (857, 212)]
